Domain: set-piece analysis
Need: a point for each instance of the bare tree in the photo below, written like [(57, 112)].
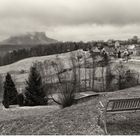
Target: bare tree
[(102, 75), (104, 66), (109, 77), (79, 72), (120, 74), (85, 65), (1, 84), (93, 55), (90, 77), (66, 83)]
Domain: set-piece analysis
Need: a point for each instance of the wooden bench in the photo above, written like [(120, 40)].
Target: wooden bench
[(120, 105)]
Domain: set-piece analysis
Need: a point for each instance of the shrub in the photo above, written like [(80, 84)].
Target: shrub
[(5, 103), (67, 96), (126, 78), (66, 84), (20, 100)]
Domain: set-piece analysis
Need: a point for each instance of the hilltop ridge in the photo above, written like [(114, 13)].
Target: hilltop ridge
[(31, 38)]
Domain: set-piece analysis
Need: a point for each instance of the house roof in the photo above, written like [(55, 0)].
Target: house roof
[(109, 49), (96, 50), (131, 47)]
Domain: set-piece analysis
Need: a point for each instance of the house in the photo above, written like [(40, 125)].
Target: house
[(132, 50), (109, 50), (117, 44), (110, 42), (95, 50)]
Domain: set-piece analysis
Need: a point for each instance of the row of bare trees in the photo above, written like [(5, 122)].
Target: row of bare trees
[(61, 81), (88, 73)]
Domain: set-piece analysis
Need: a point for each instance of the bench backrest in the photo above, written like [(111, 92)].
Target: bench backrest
[(123, 105)]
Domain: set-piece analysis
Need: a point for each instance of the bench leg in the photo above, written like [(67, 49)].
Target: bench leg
[(105, 128), (104, 123), (105, 118), (102, 118)]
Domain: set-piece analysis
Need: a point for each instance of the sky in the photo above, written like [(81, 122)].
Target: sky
[(71, 20)]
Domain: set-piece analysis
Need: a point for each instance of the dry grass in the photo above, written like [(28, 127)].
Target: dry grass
[(79, 119), (76, 120), (124, 123), (16, 112)]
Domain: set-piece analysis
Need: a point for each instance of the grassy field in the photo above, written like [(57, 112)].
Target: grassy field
[(16, 112), (20, 70), (124, 123), (80, 119)]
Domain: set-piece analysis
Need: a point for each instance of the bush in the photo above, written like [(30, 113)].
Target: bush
[(20, 100), (66, 84), (5, 103), (67, 96), (126, 78), (32, 100)]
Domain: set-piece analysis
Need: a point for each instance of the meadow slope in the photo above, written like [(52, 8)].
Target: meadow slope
[(80, 119)]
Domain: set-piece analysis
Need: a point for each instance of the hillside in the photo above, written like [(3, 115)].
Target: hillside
[(79, 119), (25, 64), (33, 38), (24, 41), (20, 69)]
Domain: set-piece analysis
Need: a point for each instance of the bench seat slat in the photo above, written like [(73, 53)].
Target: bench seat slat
[(125, 105), (134, 103), (129, 104), (138, 104), (116, 105), (121, 104)]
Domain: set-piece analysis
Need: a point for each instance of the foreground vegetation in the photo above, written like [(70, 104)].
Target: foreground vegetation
[(66, 82), (72, 119), (80, 119)]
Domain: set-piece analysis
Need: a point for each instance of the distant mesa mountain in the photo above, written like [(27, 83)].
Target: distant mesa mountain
[(34, 38)]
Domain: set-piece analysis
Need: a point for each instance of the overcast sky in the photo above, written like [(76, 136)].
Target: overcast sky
[(71, 20)]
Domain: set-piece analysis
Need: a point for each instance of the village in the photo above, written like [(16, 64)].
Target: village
[(119, 49)]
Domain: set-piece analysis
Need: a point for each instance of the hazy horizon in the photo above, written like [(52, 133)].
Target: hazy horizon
[(71, 20)]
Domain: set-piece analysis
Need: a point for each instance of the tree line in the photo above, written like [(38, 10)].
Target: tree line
[(49, 49), (42, 50), (67, 82), (35, 92)]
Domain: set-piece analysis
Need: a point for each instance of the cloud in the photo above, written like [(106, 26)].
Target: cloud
[(73, 16), (94, 32), (66, 12)]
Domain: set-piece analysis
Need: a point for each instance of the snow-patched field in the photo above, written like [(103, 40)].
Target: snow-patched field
[(25, 64), (20, 70)]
